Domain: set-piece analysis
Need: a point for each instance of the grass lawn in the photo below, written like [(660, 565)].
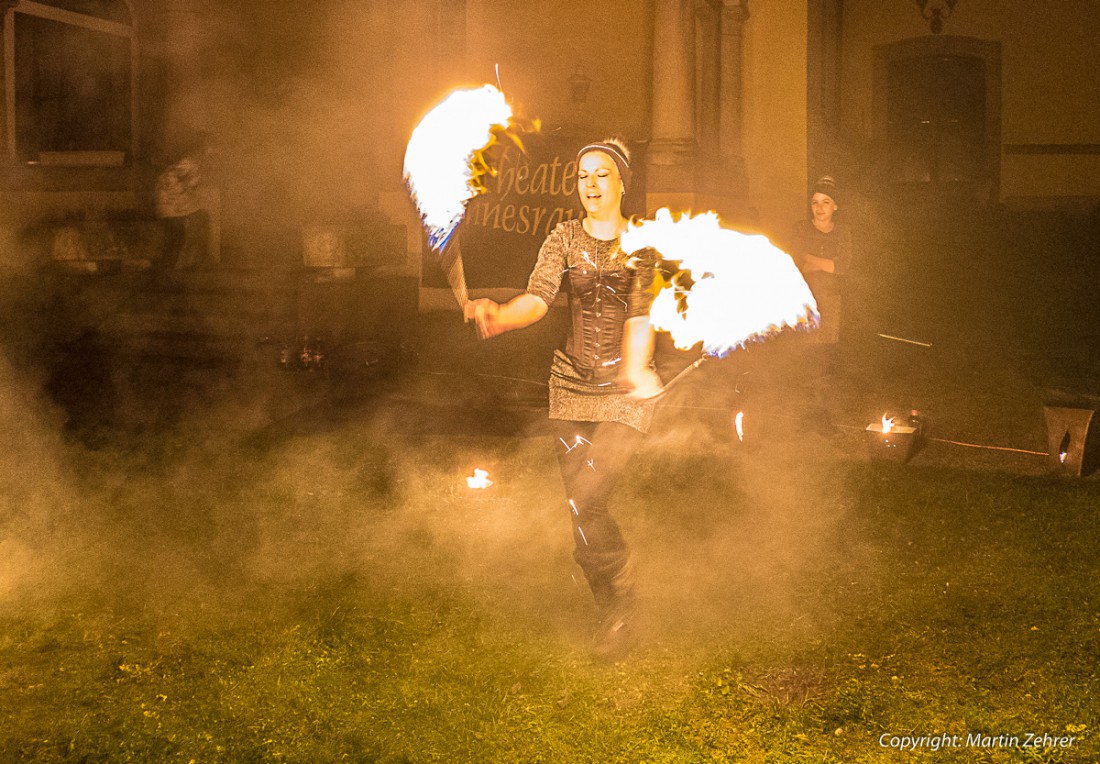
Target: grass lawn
[(337, 593)]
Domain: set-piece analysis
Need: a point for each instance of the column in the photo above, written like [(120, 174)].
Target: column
[(708, 83), (672, 149), (734, 13), (7, 9), (187, 35)]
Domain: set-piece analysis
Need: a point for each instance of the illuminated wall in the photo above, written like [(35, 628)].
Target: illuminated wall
[(775, 111), (538, 53), (312, 106), (1049, 110), (540, 46)]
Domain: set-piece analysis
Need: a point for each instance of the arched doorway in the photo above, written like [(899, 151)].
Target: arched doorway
[(935, 129), (937, 114)]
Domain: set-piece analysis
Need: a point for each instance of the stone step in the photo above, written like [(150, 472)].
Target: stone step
[(188, 307), (194, 324)]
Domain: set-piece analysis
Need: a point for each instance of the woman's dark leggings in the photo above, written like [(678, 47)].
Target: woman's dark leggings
[(592, 457)]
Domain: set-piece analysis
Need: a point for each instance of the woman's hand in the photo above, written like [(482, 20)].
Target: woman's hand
[(638, 340), (492, 318), (645, 384), (485, 314)]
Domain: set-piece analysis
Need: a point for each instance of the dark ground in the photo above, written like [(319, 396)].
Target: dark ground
[(1007, 301)]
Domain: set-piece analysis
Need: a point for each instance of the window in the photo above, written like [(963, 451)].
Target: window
[(936, 118), (69, 82), (937, 113)]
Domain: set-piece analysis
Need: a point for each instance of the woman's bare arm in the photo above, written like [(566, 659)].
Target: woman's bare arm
[(493, 318)]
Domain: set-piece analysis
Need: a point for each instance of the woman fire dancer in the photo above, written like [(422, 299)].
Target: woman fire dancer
[(603, 386)]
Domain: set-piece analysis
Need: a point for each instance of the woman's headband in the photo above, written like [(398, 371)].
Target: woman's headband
[(616, 155)]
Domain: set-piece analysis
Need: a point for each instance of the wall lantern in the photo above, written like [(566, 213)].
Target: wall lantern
[(935, 11), (578, 85)]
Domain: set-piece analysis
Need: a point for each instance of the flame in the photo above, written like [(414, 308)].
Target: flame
[(887, 424), (1062, 457), (444, 160), (480, 479), (738, 422), (730, 288)]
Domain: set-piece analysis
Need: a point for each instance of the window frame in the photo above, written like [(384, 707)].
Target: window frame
[(86, 22)]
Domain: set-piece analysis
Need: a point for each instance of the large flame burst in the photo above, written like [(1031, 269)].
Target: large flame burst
[(720, 287), (444, 161)]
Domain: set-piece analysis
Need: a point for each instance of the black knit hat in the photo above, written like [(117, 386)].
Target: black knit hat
[(826, 185)]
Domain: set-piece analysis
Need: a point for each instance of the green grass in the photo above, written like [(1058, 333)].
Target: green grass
[(340, 595)]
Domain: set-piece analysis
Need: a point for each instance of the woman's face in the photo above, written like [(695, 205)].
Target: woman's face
[(822, 206), (599, 184)]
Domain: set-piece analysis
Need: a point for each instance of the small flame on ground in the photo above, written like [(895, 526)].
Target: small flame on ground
[(480, 479), (1062, 457), (730, 288), (738, 423), (887, 424)]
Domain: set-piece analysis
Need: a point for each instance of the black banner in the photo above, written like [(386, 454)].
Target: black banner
[(531, 193)]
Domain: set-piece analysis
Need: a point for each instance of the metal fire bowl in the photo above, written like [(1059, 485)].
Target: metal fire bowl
[(897, 445), (1071, 430)]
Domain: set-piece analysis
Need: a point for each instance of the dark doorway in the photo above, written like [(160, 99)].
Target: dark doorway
[(936, 121)]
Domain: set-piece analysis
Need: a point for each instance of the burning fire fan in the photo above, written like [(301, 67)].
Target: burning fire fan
[(445, 163), (720, 287)]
